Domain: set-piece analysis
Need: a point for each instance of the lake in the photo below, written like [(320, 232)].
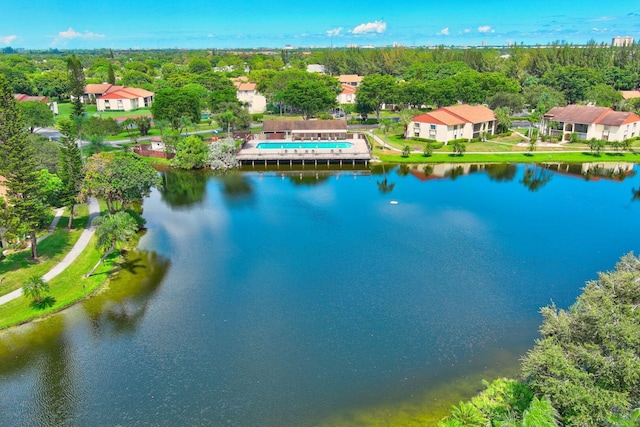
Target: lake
[(303, 298)]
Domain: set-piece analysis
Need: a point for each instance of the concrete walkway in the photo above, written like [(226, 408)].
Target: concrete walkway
[(76, 250)]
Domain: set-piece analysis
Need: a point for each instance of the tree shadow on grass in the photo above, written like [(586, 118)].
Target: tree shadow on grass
[(123, 264), (43, 304)]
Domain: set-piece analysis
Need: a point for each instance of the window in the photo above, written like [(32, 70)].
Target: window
[(432, 127)]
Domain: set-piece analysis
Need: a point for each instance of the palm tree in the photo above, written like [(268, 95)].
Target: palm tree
[(540, 413), (459, 148), (630, 420), (35, 288), (406, 117), (113, 231), (466, 414), (161, 125)]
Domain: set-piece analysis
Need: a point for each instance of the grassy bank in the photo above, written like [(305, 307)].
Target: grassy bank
[(17, 267), (67, 288), (536, 157)]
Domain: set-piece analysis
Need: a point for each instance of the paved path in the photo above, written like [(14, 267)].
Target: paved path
[(81, 243)]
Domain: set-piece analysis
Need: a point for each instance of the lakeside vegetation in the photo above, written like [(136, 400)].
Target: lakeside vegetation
[(537, 78), (584, 369)]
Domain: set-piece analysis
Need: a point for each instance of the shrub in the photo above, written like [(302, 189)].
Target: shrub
[(459, 140), (257, 117), (427, 140)]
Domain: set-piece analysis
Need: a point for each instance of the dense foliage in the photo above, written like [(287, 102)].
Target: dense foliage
[(120, 178), (422, 76), (584, 371)]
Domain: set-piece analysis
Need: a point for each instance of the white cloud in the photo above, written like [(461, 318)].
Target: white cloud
[(486, 29), (210, 36), (370, 27), (443, 32), (70, 34), (466, 30), (8, 39), (334, 32)]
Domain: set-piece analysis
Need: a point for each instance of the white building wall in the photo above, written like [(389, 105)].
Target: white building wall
[(256, 103), (347, 98)]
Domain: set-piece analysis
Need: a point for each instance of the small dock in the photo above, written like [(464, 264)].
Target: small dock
[(358, 153)]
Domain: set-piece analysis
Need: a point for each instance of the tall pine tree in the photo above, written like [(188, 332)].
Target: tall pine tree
[(70, 168), (19, 167), (76, 84), (111, 76)]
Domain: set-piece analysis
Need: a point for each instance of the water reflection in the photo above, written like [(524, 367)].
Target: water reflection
[(384, 186), (237, 189), (535, 177), (119, 306), (183, 189), (595, 171), (135, 281), (501, 172), (308, 178), (55, 389)]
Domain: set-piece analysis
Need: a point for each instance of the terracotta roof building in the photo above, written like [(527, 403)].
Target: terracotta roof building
[(630, 94), (589, 122), (348, 94), (350, 79), (124, 99), (247, 93), (455, 122), (53, 105)]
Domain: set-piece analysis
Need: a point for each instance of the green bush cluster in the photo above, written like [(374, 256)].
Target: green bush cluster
[(427, 140), (583, 371), (461, 140)]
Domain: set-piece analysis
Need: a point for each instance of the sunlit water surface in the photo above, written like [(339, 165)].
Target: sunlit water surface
[(289, 299)]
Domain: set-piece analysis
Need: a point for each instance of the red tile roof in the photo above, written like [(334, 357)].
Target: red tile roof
[(630, 94), (127, 93), (350, 78), (247, 86), (618, 118), (21, 97), (347, 89), (586, 114), (456, 115), (100, 88)]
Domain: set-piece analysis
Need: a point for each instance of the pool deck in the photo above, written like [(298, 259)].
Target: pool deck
[(250, 154)]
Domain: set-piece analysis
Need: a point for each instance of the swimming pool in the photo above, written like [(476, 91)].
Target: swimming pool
[(304, 145)]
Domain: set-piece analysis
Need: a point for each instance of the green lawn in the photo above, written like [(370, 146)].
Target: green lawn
[(67, 288), (64, 110), (536, 157), (17, 267)]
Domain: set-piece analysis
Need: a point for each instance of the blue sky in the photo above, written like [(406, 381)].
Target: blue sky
[(70, 24)]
